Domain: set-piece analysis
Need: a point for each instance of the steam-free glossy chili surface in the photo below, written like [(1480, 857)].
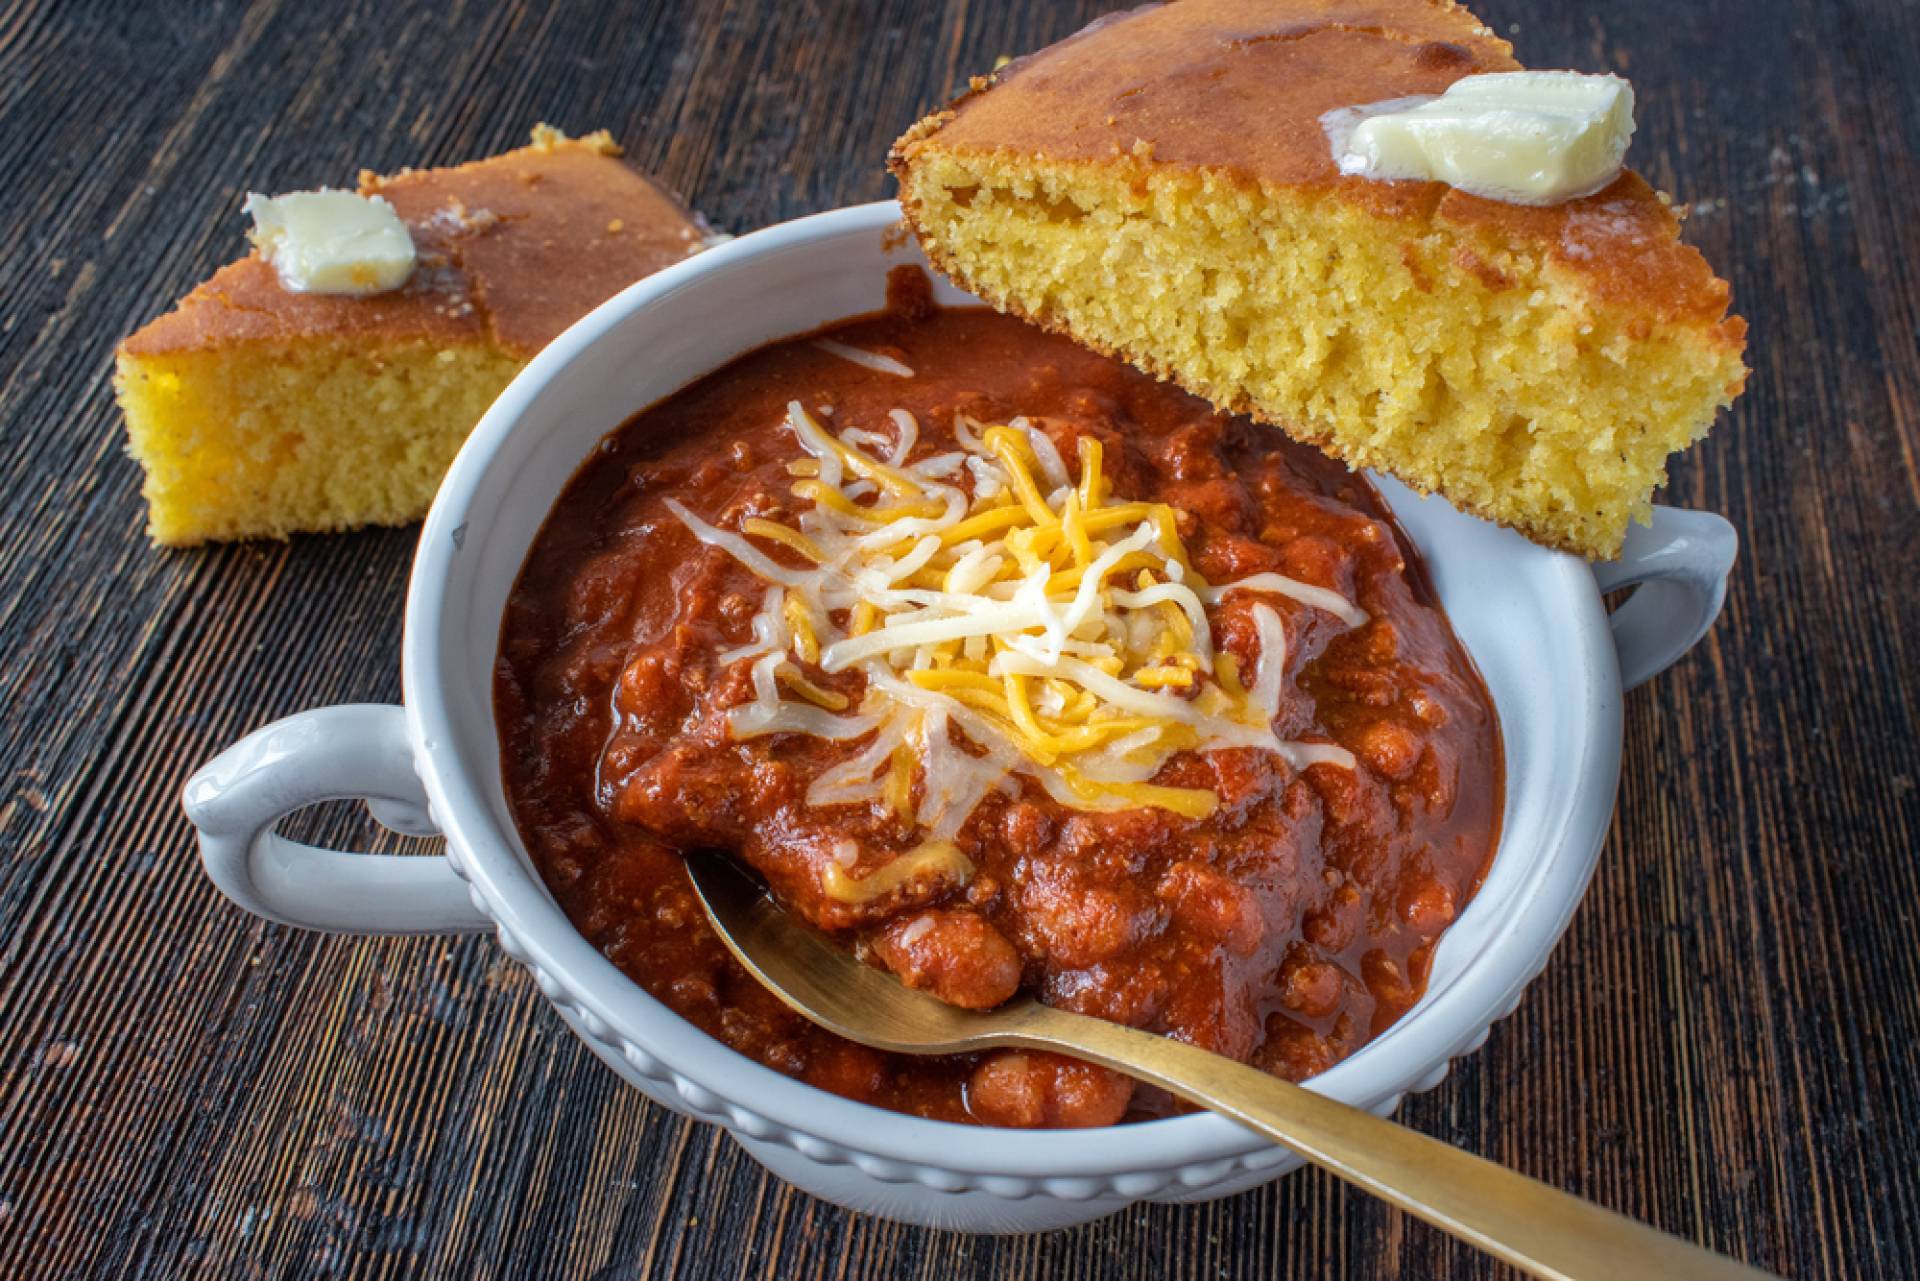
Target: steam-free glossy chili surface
[(1284, 930)]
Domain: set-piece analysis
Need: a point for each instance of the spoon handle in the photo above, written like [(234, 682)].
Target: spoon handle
[(1541, 1229)]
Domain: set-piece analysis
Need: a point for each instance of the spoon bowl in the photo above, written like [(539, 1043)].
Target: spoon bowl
[(1541, 1229), (825, 985)]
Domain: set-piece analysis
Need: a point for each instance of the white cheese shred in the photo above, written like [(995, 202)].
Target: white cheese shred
[(880, 364)]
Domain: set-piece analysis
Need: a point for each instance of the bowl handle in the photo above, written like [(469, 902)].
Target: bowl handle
[(1679, 563), (357, 751)]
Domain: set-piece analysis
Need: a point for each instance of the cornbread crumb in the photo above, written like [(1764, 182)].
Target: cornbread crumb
[(547, 139)]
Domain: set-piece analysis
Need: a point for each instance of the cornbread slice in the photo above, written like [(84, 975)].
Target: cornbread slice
[(1160, 187), (259, 411)]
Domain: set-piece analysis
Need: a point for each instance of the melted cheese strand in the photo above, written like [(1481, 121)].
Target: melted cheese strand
[(1293, 589), (1052, 466), (906, 436), (737, 547), (1265, 693), (1178, 594), (769, 630), (940, 859), (865, 359), (769, 714), (1009, 447)]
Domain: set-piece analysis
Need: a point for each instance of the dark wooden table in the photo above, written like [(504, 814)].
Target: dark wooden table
[(1724, 1043)]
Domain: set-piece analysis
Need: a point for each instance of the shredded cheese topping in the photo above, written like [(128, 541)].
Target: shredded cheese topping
[(876, 361), (1008, 619), (940, 860)]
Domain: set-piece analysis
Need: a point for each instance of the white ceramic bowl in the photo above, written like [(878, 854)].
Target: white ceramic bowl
[(1532, 619)]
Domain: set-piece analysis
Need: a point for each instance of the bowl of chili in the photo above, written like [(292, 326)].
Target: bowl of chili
[(1554, 664)]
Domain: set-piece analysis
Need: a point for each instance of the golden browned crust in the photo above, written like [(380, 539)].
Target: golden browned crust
[(245, 302), (512, 249), (1234, 85)]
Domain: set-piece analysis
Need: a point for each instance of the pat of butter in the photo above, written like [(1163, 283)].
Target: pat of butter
[(1526, 137), (332, 242)]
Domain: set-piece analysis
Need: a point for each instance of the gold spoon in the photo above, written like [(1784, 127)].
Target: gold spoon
[(1521, 1220)]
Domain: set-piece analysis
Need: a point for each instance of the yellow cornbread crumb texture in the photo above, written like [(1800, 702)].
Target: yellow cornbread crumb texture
[(1453, 360), (277, 438)]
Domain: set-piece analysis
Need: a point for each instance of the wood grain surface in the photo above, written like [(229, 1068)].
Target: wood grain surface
[(1724, 1044)]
